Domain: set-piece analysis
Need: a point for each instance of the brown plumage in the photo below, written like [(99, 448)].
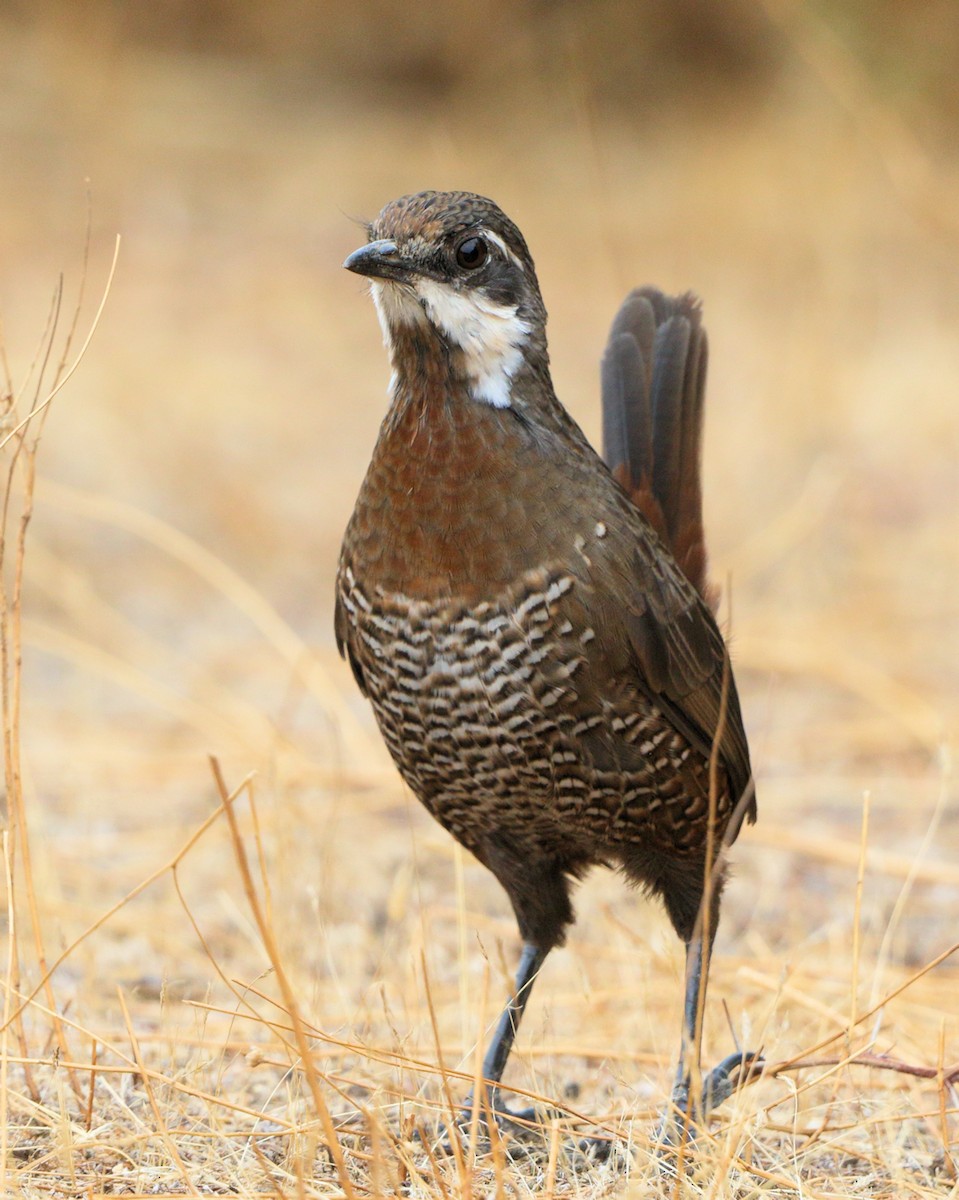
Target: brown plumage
[(653, 388), (532, 625)]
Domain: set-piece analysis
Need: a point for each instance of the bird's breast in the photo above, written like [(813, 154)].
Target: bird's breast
[(458, 502)]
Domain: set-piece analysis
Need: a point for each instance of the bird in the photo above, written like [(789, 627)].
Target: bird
[(532, 622)]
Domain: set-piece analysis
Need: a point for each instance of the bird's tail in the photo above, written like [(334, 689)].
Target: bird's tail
[(654, 382)]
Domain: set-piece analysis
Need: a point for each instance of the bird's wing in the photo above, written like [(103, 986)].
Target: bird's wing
[(656, 632)]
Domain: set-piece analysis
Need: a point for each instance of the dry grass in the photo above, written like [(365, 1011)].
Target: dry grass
[(239, 959)]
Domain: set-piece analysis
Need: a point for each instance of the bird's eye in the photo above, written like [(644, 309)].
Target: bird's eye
[(471, 253)]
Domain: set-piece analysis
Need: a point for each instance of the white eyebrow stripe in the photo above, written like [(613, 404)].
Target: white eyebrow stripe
[(498, 241)]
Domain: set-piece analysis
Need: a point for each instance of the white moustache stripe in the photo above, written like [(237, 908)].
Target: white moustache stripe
[(491, 337)]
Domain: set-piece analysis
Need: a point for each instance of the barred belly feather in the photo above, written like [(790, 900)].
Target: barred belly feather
[(482, 709)]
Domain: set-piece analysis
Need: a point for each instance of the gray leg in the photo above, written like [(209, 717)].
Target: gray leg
[(697, 977), (686, 1111), (497, 1054)]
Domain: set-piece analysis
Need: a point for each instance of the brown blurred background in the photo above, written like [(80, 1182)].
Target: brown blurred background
[(794, 163)]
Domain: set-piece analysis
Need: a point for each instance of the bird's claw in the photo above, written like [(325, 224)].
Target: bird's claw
[(724, 1079), (684, 1117), (517, 1124), (526, 1131)]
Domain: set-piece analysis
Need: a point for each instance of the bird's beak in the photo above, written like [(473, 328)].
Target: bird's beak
[(380, 260)]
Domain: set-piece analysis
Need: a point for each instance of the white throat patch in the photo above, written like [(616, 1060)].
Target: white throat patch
[(394, 306), (491, 336)]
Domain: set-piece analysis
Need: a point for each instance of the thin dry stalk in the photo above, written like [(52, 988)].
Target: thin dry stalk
[(7, 1001), (945, 1079), (857, 914), (549, 1190), (15, 513), (871, 1012), (462, 1171), (63, 379), (421, 1066), (272, 950), (20, 462), (161, 1126), (479, 1093), (358, 743), (141, 887), (918, 861)]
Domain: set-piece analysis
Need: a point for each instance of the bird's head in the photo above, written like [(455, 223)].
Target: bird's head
[(452, 268)]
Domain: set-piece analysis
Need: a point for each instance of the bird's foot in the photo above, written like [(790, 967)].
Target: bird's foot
[(726, 1078), (522, 1121), (684, 1117), (522, 1133), (518, 1127)]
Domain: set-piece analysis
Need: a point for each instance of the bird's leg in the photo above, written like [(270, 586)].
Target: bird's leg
[(694, 1000), (693, 1098), (494, 1062)]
